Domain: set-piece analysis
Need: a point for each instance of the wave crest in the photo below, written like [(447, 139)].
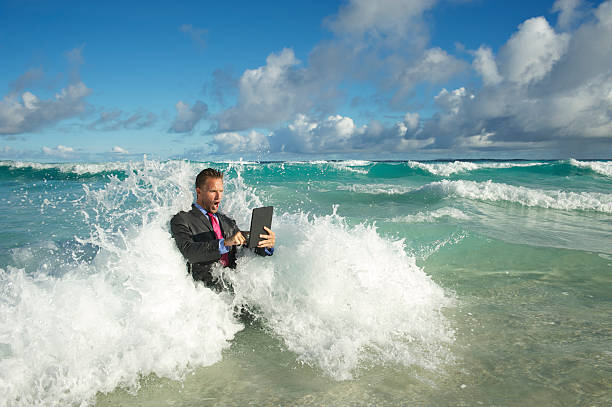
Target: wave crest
[(450, 168), (600, 167), (491, 191)]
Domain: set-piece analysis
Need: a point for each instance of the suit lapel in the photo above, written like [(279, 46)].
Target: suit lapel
[(205, 220)]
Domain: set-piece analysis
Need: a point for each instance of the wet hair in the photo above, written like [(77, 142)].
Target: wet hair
[(207, 173)]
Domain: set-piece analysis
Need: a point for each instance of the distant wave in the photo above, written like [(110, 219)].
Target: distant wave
[(600, 167), (449, 168), (433, 216), (84, 168), (348, 165), (67, 171), (353, 166), (386, 169), (491, 191), (377, 189), (239, 162)]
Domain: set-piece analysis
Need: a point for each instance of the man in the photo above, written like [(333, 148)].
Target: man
[(205, 236)]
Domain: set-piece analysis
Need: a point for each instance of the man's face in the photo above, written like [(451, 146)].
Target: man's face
[(210, 194)]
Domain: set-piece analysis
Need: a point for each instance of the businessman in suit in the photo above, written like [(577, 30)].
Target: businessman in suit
[(205, 236)]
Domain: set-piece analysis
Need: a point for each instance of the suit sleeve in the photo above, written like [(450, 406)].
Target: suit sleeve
[(232, 228), (262, 251), (194, 252)]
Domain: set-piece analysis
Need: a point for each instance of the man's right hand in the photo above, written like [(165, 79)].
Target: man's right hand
[(236, 240)]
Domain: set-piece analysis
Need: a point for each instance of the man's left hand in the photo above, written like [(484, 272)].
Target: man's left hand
[(267, 240)]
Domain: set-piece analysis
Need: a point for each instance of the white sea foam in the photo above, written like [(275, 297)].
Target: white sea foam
[(376, 189), (239, 162), (355, 166), (355, 163), (133, 311), (432, 216), (77, 168), (600, 167), (340, 304), (555, 199), (446, 169), (348, 165)]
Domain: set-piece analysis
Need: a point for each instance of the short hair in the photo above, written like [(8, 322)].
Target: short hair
[(207, 173)]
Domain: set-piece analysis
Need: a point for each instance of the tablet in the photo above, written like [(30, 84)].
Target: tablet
[(261, 217)]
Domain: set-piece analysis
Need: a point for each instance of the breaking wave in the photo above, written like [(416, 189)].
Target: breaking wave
[(350, 305), (600, 167), (75, 325), (554, 199), (445, 169)]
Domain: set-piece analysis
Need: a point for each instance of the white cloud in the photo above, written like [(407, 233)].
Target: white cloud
[(119, 150), (436, 65), (27, 79), (186, 117), (556, 92), (252, 142), (542, 88), (117, 119), (269, 94), (411, 120), (308, 135), (381, 42), (338, 133), (569, 11), (59, 151), (196, 34), (532, 51), (452, 101), (22, 113), (75, 56), (388, 20), (484, 63)]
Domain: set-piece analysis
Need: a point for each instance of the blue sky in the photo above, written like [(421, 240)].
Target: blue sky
[(286, 79)]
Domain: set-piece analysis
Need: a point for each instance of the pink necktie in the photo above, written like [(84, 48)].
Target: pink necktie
[(215, 224)]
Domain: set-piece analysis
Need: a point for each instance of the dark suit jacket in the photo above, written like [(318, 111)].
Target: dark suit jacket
[(196, 240)]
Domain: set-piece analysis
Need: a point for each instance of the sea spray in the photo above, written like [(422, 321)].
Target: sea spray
[(130, 312), (340, 297), (343, 298)]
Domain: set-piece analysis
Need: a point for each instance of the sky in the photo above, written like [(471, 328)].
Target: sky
[(354, 79)]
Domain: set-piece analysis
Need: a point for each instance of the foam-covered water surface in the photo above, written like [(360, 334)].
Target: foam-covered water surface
[(427, 283)]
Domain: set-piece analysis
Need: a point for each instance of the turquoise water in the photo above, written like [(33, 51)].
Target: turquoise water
[(393, 283)]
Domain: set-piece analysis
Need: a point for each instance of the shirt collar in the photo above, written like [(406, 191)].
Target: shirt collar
[(204, 211)]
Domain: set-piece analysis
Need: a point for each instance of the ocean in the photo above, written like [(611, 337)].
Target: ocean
[(430, 283)]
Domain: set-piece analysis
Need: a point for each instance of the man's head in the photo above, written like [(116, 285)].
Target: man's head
[(209, 189)]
